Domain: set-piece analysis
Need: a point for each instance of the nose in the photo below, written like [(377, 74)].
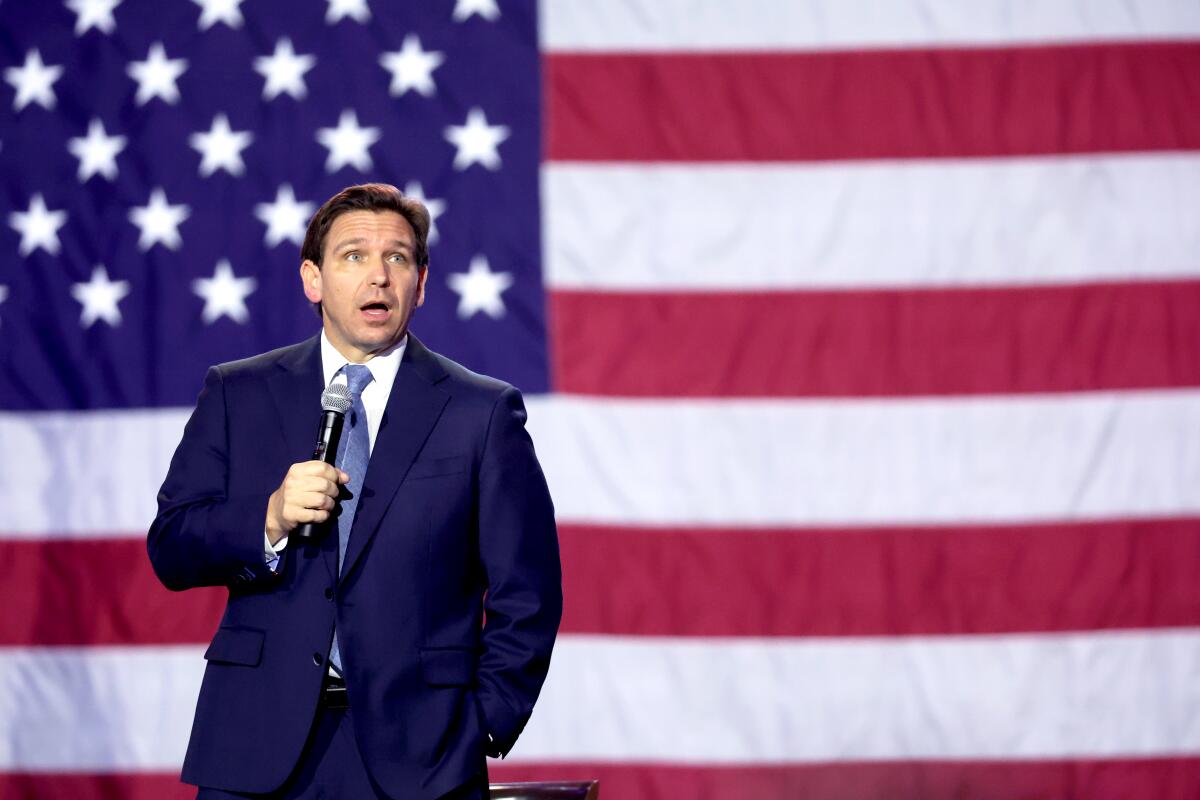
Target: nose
[(379, 274)]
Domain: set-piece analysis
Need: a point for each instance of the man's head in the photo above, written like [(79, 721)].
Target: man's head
[(364, 262)]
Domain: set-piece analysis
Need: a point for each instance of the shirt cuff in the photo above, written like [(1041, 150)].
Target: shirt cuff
[(271, 551)]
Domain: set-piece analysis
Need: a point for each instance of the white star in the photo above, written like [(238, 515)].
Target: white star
[(355, 9), (348, 143), (96, 14), (412, 67), (34, 81), (479, 289), (214, 11), (284, 71), (476, 141), (38, 226), (285, 219), (97, 152), (488, 9), (159, 222), (224, 294), (221, 147), (100, 297), (436, 207), (156, 75)]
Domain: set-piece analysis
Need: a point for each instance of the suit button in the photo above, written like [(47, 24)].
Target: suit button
[(317, 659), (329, 593)]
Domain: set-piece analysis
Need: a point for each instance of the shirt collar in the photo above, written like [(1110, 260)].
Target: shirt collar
[(383, 366)]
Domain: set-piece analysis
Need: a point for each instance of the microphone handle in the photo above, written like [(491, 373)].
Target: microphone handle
[(328, 436)]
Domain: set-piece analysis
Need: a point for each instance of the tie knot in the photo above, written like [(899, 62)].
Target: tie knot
[(357, 378)]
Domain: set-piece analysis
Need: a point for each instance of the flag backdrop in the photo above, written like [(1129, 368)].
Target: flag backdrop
[(861, 344)]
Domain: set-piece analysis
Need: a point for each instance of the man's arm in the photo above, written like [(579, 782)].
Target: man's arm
[(202, 536), (210, 534), (518, 544)]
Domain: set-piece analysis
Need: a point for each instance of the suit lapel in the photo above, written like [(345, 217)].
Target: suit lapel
[(296, 388), (413, 408)]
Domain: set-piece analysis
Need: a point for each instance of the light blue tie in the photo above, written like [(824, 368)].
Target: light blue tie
[(354, 452)]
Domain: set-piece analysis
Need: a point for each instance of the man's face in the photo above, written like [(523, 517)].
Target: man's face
[(368, 284)]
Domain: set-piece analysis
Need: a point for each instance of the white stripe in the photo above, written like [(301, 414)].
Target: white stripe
[(97, 709), (1010, 697), (724, 462), (840, 224), (871, 462), (669, 25), (698, 700), (85, 473)]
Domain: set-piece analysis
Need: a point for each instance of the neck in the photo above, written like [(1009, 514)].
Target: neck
[(357, 356)]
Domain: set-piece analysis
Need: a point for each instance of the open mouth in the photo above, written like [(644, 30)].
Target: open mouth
[(375, 310)]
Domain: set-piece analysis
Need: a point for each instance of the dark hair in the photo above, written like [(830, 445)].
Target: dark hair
[(367, 197)]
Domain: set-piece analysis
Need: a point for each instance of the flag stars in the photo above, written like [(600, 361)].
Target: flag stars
[(224, 294), (356, 10), (214, 11), (286, 219), (159, 222), (97, 152), (38, 226), (221, 147), (477, 142), (436, 207), (348, 143), (33, 81), (412, 67), (465, 9), (100, 298), (96, 14), (284, 71), (156, 76), (479, 289)]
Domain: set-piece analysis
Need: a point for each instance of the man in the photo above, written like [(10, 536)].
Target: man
[(358, 664)]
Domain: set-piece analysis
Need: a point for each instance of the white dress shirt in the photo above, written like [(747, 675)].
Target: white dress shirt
[(384, 367)]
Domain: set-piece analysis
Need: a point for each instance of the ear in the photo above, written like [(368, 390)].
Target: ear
[(421, 276), (310, 277)]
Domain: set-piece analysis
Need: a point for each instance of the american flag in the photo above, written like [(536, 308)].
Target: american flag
[(861, 343)]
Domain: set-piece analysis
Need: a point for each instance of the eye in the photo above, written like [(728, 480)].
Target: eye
[(353, 256), (398, 258)]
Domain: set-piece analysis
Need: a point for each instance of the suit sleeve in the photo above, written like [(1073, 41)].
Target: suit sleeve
[(202, 536), (519, 548)]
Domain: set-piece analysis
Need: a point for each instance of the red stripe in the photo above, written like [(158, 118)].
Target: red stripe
[(873, 104), (1161, 779), (102, 591), (83, 786), (877, 342), (881, 582), (713, 582)]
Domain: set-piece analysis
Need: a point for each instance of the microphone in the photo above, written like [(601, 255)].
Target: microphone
[(335, 402)]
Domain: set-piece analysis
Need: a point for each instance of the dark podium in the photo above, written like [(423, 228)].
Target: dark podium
[(546, 790)]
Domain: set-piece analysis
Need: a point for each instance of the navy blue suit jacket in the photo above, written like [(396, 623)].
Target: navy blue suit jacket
[(454, 509)]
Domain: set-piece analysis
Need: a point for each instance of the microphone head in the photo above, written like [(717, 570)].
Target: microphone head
[(336, 397)]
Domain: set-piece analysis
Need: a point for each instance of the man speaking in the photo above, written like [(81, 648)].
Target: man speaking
[(385, 656)]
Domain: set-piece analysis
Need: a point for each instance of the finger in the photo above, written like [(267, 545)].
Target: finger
[(316, 484), (316, 469), (316, 500), (343, 477)]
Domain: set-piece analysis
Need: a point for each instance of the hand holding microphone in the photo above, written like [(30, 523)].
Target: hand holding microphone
[(306, 497)]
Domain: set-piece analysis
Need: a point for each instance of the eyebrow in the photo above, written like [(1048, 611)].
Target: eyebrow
[(398, 244)]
